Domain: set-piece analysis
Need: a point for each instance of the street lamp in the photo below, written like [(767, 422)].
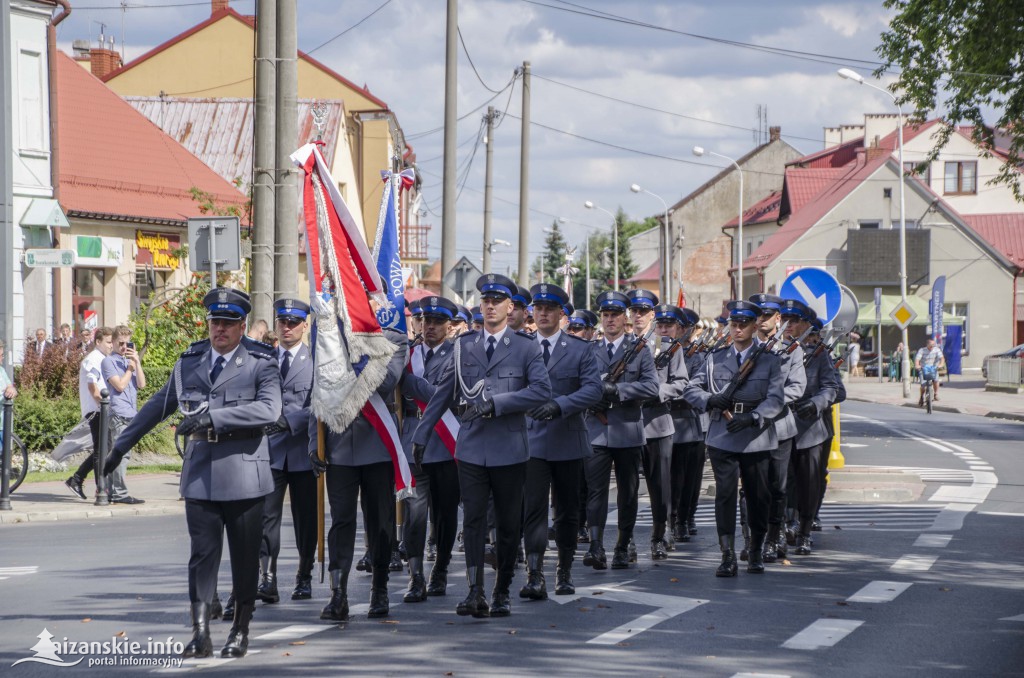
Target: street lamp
[(848, 74), (615, 243), (699, 152), (665, 238)]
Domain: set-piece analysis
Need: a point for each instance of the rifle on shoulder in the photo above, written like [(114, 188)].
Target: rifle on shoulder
[(619, 368), (743, 373)]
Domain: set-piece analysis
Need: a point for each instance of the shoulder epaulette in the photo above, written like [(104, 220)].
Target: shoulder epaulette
[(527, 335), (197, 348), (573, 336), (259, 349), (467, 333)]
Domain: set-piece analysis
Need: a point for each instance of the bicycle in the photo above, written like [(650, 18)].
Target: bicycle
[(19, 461), (929, 375)]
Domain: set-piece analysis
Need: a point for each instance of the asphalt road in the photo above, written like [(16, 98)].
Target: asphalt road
[(929, 588)]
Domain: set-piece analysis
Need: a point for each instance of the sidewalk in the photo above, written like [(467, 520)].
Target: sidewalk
[(961, 394), (52, 501)]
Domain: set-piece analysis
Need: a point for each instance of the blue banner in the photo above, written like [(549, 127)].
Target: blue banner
[(935, 307), (952, 350), (388, 257)]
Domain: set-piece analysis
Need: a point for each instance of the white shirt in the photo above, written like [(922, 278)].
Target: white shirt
[(497, 337), (743, 354), (227, 356), (90, 373), (614, 344), (552, 341), (283, 352)]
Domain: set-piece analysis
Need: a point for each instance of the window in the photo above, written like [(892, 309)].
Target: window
[(922, 171), (147, 280), (961, 309), (87, 298), (961, 178), (870, 224), (30, 99)]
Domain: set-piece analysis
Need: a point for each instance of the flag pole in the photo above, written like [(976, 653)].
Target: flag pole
[(321, 432)]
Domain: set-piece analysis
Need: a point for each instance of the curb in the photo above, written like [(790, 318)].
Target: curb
[(15, 517), (1011, 416)]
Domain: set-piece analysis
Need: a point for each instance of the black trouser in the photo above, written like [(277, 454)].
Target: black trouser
[(437, 493), (687, 473), (89, 463), (657, 458), (506, 483), (581, 501), (626, 461), (544, 478), (823, 456), (778, 473), (373, 485), (808, 481), (301, 488), (729, 467), (207, 521)]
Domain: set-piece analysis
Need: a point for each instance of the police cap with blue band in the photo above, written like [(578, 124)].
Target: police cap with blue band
[(462, 315), (817, 324), (478, 316), (226, 303), (583, 318), (415, 307), (668, 313), (438, 307), (767, 302), (612, 301), (546, 293), (522, 296), (691, 316), (496, 285), (797, 309), (743, 311), (288, 308), (642, 299)]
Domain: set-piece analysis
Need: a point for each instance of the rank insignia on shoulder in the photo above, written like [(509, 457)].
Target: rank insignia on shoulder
[(197, 347)]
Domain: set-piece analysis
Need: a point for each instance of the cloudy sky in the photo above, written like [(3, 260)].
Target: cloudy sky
[(707, 87)]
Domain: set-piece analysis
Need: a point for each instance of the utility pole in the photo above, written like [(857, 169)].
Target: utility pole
[(261, 286), (6, 193), (586, 304), (286, 252), (488, 187), (524, 183), (451, 66)]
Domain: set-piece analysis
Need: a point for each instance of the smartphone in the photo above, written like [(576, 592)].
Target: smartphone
[(131, 345)]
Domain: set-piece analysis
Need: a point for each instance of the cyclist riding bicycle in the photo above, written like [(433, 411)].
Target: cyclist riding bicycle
[(928, 361)]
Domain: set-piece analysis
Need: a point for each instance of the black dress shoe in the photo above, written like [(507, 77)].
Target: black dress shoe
[(379, 604), (501, 604), (691, 527), (728, 568), (756, 564), (337, 608), (417, 591), (200, 645), (128, 500), (551, 533), (521, 555), (267, 590), (396, 562), (770, 553), (229, 608), (431, 552), (475, 604), (595, 557), (583, 537), (816, 524), (620, 559), (490, 556), (659, 551), (631, 550), (403, 552), (216, 609), (535, 587), (364, 563), (238, 637), (438, 583), (461, 544), (564, 585), (679, 532), (803, 547), (74, 483), (303, 588)]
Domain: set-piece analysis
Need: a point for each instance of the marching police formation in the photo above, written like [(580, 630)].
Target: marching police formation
[(514, 411)]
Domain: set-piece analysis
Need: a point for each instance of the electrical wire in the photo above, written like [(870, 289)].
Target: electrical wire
[(353, 26), (420, 135), (465, 51)]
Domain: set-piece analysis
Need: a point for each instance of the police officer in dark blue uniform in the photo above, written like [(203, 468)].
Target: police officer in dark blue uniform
[(688, 451), (229, 388)]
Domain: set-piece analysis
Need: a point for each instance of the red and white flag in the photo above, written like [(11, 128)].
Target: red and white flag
[(447, 428)]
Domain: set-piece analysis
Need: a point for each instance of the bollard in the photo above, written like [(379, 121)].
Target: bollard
[(835, 456), (102, 499), (5, 458)]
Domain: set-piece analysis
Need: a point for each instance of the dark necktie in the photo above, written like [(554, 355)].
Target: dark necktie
[(547, 350), (430, 354), (490, 348), (611, 351), (739, 359), (218, 367), (286, 364)]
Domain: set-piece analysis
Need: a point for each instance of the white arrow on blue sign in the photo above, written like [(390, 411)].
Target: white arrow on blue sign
[(817, 288)]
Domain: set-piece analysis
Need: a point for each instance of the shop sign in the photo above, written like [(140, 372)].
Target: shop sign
[(92, 250), (158, 249)]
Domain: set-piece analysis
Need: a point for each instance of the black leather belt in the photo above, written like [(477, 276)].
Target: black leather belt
[(739, 407), (678, 405), (240, 434), (413, 413)]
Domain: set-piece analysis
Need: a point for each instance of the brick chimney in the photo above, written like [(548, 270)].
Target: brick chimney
[(103, 61), (774, 134), (217, 6)]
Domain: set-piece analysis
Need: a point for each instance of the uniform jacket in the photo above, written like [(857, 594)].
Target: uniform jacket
[(576, 387), (764, 386), (359, 444), (246, 396), (690, 422), (515, 379), (289, 449), (422, 389), (820, 390), (625, 427), (794, 383), (658, 421)]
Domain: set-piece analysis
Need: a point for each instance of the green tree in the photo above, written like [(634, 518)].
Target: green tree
[(970, 53), (169, 321)]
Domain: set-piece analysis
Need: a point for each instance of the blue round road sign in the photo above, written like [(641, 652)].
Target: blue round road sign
[(817, 288)]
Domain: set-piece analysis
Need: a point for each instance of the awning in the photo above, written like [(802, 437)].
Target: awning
[(866, 315)]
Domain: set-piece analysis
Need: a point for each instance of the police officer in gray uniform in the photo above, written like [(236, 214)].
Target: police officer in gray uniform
[(616, 430), (773, 314), (229, 389), (496, 376), (289, 461), (687, 444), (659, 427), (558, 443), (819, 393), (741, 434), (357, 461), (437, 475)]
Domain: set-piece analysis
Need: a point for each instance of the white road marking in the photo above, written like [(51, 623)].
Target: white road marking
[(951, 517), (914, 563), (1001, 513), (632, 628), (937, 446), (1019, 617), (973, 494), (879, 592), (850, 445), (938, 541), (822, 633), (294, 632), (761, 675), (204, 663)]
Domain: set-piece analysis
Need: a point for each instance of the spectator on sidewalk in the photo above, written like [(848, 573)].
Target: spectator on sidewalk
[(854, 348), (896, 364), (90, 384), (258, 329), (122, 372), (34, 350), (929, 356)]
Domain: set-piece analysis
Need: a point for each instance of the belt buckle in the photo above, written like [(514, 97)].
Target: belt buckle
[(211, 436), (738, 408)]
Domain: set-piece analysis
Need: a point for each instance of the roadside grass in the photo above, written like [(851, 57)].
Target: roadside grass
[(44, 476)]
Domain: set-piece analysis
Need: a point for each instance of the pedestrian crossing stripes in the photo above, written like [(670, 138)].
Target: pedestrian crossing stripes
[(8, 572), (929, 475), (842, 516)]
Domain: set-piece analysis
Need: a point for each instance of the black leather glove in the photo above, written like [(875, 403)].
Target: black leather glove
[(806, 409), (741, 421), (718, 402), (195, 424), (477, 410), (417, 455), (548, 410), (114, 457), (610, 391), (318, 466), (279, 426)]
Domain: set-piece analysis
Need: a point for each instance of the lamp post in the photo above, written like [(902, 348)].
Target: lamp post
[(847, 74), (615, 244), (665, 240), (699, 152)]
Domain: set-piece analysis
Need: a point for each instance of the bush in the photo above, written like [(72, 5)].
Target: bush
[(165, 326), (55, 374)]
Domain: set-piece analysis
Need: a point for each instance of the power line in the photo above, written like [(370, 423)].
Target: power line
[(420, 135), (355, 25), (465, 51)]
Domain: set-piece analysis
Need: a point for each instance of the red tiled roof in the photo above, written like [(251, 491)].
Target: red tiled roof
[(652, 272), (116, 164), (762, 212), (834, 156), (801, 186), (1005, 232), (251, 23)]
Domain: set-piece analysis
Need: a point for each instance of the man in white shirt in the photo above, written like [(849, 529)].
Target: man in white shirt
[(90, 384), (929, 356)]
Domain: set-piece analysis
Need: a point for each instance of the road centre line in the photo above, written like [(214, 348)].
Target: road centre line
[(293, 632), (933, 540), (822, 633), (879, 592), (914, 563)]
